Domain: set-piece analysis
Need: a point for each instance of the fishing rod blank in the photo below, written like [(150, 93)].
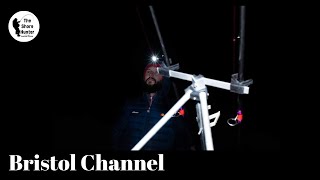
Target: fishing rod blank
[(237, 80), (168, 61), (242, 42)]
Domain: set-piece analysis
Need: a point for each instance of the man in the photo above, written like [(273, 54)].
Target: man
[(141, 114)]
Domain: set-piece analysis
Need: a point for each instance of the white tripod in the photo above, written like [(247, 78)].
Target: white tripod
[(196, 91)]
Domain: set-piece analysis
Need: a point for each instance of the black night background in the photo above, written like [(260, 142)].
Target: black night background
[(88, 58), (64, 89)]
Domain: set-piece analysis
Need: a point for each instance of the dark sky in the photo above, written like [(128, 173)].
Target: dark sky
[(68, 84)]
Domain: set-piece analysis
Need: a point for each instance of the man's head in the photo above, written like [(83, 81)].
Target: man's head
[(152, 79)]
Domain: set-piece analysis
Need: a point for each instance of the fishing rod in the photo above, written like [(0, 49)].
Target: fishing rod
[(168, 60), (237, 79)]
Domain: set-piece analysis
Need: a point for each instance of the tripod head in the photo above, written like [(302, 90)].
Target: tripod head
[(198, 91)]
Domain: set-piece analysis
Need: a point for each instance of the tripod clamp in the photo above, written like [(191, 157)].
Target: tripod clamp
[(237, 86), (198, 85)]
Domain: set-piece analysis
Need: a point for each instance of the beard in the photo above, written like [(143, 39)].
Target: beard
[(152, 88)]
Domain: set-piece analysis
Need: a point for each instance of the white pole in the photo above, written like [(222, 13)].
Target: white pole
[(205, 121), (208, 82), (163, 121)]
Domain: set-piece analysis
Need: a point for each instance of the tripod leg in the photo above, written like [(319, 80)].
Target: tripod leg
[(205, 121), (162, 121)]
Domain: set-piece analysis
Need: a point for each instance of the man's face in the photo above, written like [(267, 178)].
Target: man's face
[(152, 77)]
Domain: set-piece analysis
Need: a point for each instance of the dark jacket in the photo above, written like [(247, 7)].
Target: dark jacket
[(136, 121)]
